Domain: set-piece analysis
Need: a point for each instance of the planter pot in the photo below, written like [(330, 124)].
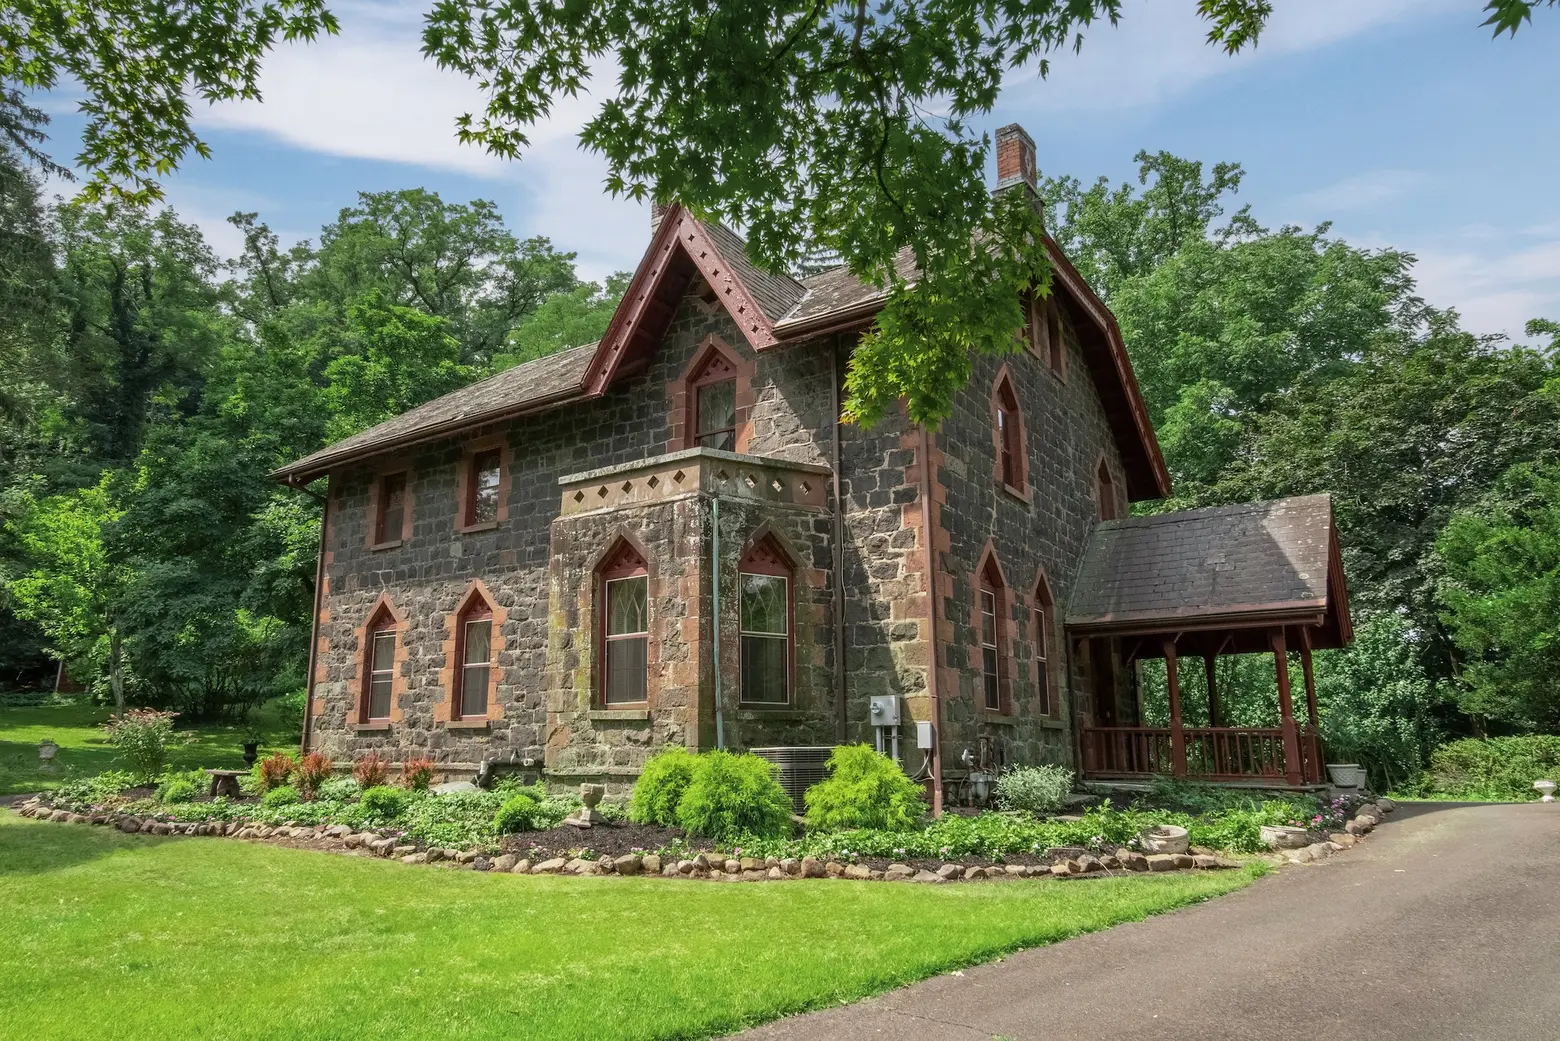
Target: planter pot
[(1279, 836), (980, 786), (1347, 775), (47, 750), (251, 752), (1166, 838)]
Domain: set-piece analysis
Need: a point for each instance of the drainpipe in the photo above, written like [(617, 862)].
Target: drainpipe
[(931, 620), (314, 623), (720, 719), (841, 726)]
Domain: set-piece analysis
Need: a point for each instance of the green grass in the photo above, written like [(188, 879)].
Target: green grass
[(85, 751), (109, 935)]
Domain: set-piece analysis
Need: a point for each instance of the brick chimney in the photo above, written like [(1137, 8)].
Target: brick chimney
[(1016, 159)]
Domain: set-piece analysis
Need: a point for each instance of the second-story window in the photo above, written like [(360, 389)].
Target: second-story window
[(989, 662), (390, 517), (715, 411), (482, 495), (1105, 489), (1008, 435)]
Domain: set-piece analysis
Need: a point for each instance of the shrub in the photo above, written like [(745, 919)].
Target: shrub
[(457, 819), (289, 711), (417, 774), (142, 736), (1034, 789), (313, 770), (1501, 768), (93, 790), (383, 804), (282, 795), (517, 814), (371, 771), (338, 789), (734, 795), (863, 790), (274, 771), (182, 786), (660, 787)]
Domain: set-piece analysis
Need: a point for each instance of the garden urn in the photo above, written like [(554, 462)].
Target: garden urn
[(251, 752), (1164, 838), (47, 750), (1347, 775), (1547, 788)]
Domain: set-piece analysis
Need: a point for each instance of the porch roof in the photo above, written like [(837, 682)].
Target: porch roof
[(1220, 574)]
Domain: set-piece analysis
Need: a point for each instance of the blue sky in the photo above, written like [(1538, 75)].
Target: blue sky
[(1400, 121)]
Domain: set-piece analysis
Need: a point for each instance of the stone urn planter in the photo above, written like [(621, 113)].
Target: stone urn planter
[(1280, 836), (1165, 838), (1546, 790), (1347, 775), (251, 752), (47, 750)]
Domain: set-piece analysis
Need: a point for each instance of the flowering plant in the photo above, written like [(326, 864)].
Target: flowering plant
[(142, 736)]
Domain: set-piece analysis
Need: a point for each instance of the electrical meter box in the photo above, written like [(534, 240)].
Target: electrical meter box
[(885, 710), (923, 734)]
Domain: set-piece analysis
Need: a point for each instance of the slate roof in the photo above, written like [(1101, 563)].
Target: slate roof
[(1253, 559), (775, 294), (838, 292), (557, 377)]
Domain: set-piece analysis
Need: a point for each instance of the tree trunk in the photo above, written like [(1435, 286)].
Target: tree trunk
[(116, 671)]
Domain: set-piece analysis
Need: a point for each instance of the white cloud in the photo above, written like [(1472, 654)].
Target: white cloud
[(1362, 191), (1159, 51), (1496, 284)]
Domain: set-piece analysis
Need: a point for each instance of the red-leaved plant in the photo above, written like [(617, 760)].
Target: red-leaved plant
[(313, 770), (417, 774), (370, 771), (275, 769)]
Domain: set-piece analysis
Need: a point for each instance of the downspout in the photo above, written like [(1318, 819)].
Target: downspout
[(720, 719), (841, 723), (314, 622), (931, 620)]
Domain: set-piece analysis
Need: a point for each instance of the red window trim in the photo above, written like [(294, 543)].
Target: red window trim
[(766, 557), (383, 623), (378, 513), (1044, 608), (989, 579), (622, 561), (1008, 438), (473, 468), (476, 611), (1105, 492)]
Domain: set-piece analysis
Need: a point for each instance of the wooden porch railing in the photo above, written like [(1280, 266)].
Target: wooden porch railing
[(1211, 754)]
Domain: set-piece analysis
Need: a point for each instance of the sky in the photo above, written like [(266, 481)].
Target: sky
[(1400, 121)]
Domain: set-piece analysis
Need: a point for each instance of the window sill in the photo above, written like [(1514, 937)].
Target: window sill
[(468, 529), (1018, 493), (1060, 374), (618, 715), (373, 724), (1001, 719), (754, 710), (377, 546), (468, 724), (1052, 723)]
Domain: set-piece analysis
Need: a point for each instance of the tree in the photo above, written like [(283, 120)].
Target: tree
[(571, 319), (1500, 597)]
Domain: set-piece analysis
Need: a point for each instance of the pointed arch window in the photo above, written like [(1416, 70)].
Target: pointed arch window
[(1105, 489), (624, 626), (991, 605), (1008, 435), (474, 655), (1046, 702), (766, 624), (379, 647), (714, 390)]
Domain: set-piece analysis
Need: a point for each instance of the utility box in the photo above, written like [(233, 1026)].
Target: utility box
[(923, 735), (885, 710)]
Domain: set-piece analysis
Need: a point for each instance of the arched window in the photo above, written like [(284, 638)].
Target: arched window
[(1105, 489), (474, 658), (714, 402), (379, 640), (766, 624), (1046, 703), (624, 624), (1008, 434), (991, 603)]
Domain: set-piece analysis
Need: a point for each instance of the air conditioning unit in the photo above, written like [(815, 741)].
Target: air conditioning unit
[(801, 767)]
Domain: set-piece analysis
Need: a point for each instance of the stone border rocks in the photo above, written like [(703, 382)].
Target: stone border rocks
[(1365, 820), (707, 866)]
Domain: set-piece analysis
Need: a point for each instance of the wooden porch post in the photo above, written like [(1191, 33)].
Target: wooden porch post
[(1314, 742), (1177, 736), (1286, 709), (1213, 691)]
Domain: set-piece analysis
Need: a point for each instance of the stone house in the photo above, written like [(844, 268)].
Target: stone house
[(667, 537)]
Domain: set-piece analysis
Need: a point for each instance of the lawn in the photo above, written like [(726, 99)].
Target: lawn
[(85, 751), (109, 935)]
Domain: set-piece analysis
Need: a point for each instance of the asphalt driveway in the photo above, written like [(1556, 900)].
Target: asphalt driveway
[(1444, 923)]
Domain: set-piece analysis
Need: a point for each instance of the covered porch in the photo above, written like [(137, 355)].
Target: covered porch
[(1259, 578)]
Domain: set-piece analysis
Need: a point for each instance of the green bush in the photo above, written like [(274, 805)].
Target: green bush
[(459, 820), (1498, 768), (286, 795), (182, 786), (383, 804), (517, 814), (660, 787), (142, 736), (863, 790), (338, 789), (93, 790), (731, 796), (1034, 789)]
